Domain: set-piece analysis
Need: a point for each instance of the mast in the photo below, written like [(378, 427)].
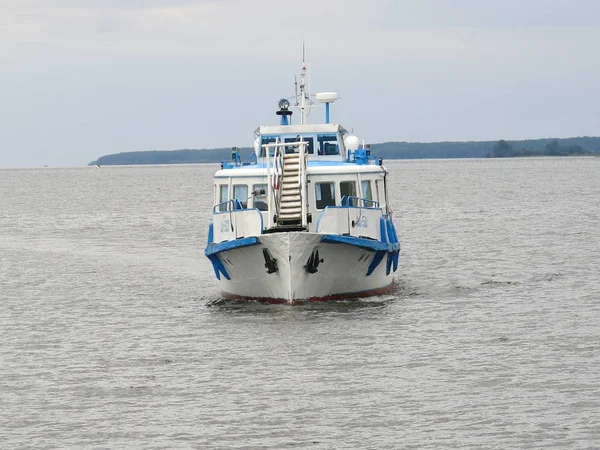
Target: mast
[(304, 95)]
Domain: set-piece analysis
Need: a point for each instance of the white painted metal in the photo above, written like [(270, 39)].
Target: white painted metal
[(342, 270), (304, 95), (327, 97), (236, 224), (353, 221), (352, 142)]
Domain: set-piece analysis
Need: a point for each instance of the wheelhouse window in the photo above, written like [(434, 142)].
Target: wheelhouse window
[(259, 192), (240, 193), (223, 197), (267, 140), (325, 194), (310, 148), (348, 189), (328, 144), (367, 194)]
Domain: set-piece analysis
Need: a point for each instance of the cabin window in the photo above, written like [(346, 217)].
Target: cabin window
[(328, 144), (348, 189), (267, 140), (259, 192), (325, 194), (240, 192), (310, 148), (367, 194), (223, 197)]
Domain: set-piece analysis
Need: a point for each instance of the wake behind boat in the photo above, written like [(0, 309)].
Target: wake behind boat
[(307, 218)]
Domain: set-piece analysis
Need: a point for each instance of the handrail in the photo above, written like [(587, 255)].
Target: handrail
[(277, 166), (345, 201), (278, 173), (236, 203), (302, 181), (285, 144)]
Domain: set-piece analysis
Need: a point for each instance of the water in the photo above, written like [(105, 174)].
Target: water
[(112, 334)]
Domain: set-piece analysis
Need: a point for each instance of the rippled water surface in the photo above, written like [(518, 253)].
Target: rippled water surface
[(112, 334)]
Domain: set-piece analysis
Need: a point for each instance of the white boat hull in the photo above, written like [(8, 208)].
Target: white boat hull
[(307, 269)]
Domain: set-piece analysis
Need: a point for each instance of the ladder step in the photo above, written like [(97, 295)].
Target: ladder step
[(297, 204), (291, 208), (290, 196)]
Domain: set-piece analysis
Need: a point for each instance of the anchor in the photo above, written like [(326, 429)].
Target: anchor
[(270, 262), (313, 262)]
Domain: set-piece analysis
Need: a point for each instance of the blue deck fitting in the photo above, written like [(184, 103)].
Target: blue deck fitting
[(383, 229), (388, 264), (396, 242)]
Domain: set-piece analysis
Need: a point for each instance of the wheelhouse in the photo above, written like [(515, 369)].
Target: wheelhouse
[(324, 141), (306, 169)]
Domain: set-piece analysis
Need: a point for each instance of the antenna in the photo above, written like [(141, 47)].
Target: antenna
[(303, 102), (303, 88), (296, 89), (310, 104), (303, 53)]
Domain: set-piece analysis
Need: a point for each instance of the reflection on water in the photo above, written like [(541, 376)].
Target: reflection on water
[(333, 306), (336, 306)]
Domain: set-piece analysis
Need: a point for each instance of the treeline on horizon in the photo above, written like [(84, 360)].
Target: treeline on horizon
[(387, 150)]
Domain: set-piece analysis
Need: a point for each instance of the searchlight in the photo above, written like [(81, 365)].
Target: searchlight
[(284, 112)]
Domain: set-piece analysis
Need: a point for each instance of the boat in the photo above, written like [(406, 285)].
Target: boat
[(307, 217)]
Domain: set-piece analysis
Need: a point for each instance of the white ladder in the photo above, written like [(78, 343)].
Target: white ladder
[(290, 206)]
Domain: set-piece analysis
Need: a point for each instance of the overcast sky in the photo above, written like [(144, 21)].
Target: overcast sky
[(84, 78)]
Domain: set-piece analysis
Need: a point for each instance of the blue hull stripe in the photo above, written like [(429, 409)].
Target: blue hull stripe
[(376, 261), (212, 252), (367, 244), (218, 267), (213, 249)]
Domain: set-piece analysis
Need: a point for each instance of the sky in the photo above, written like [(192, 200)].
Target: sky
[(83, 78)]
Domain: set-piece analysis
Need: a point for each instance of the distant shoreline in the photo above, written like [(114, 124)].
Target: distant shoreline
[(575, 146)]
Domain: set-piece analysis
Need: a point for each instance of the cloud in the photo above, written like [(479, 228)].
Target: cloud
[(493, 14), (101, 4), (138, 75), (372, 29)]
